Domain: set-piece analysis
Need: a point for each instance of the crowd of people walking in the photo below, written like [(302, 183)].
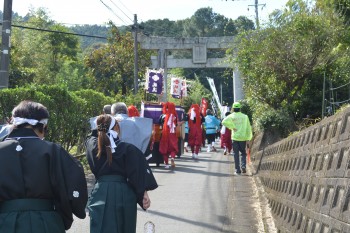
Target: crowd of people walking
[(41, 184)]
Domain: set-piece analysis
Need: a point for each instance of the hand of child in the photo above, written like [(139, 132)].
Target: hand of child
[(146, 203)]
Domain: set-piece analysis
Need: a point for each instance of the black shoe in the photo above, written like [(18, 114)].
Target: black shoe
[(237, 172), (244, 170)]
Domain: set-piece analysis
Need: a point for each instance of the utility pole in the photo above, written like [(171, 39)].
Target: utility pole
[(323, 93), (136, 56), (256, 5), (5, 45)]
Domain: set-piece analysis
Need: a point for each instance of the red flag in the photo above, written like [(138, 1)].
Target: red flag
[(204, 106)]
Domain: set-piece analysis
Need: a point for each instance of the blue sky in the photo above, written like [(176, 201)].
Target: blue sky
[(121, 12)]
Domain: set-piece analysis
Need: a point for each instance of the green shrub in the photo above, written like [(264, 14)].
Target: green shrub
[(67, 122), (273, 120), (9, 98), (95, 102)]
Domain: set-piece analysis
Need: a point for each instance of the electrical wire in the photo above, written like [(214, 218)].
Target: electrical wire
[(335, 88), (339, 102), (54, 31), (121, 11), (110, 9), (125, 7)]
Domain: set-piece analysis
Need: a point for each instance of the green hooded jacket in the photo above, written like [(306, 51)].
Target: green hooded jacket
[(240, 126)]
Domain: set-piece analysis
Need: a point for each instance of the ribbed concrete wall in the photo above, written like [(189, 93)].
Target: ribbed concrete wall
[(307, 177)]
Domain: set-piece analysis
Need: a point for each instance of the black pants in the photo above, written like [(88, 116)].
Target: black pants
[(239, 146)]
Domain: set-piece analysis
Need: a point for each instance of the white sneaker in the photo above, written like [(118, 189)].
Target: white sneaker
[(167, 167), (195, 156), (192, 155)]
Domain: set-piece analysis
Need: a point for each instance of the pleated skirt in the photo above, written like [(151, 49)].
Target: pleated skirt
[(112, 206), (29, 216)]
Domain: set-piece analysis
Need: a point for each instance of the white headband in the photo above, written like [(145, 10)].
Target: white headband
[(193, 114), (111, 133), (19, 121)]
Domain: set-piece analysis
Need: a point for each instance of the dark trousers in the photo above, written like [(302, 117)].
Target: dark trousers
[(239, 147)]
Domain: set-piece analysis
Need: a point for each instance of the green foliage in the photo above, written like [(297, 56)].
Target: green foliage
[(130, 98), (242, 24), (246, 109), (39, 56), (92, 30), (339, 7), (9, 98), (281, 62), (95, 100), (69, 111), (112, 65), (67, 124), (196, 91), (205, 22), (162, 27), (72, 75), (278, 120)]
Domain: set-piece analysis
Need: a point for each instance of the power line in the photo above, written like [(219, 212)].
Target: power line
[(339, 102), (335, 88), (121, 11), (125, 7), (110, 9), (54, 31)]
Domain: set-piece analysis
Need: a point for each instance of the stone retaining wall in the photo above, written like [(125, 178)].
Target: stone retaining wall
[(306, 177)]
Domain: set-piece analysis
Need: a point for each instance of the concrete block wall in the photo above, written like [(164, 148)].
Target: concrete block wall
[(307, 177)]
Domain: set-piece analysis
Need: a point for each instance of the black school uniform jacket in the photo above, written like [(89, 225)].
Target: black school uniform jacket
[(39, 169), (128, 161)]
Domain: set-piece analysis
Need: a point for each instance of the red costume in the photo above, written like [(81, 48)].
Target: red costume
[(169, 140), (195, 129), (226, 141), (133, 112)]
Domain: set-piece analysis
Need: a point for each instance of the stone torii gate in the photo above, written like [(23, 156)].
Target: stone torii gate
[(199, 47)]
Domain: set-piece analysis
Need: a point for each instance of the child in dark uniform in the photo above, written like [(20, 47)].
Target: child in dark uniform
[(123, 178), (41, 185)]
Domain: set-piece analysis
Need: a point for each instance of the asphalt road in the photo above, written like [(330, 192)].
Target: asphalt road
[(199, 197)]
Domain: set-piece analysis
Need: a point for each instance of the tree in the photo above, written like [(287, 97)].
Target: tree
[(112, 65), (204, 23), (243, 24), (162, 27), (38, 56), (340, 7), (280, 61), (196, 92)]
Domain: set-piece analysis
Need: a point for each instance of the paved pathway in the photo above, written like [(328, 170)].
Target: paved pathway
[(200, 197)]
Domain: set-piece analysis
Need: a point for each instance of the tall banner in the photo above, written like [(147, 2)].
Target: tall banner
[(175, 87), (215, 94), (213, 105), (204, 106), (178, 87), (184, 88), (154, 81)]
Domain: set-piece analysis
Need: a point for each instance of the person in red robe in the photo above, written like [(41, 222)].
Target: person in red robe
[(133, 112), (169, 142), (226, 141), (195, 120)]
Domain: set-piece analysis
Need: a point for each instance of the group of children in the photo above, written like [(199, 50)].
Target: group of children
[(212, 129), (198, 128)]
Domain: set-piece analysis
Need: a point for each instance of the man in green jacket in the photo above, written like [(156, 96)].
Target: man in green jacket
[(241, 133)]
